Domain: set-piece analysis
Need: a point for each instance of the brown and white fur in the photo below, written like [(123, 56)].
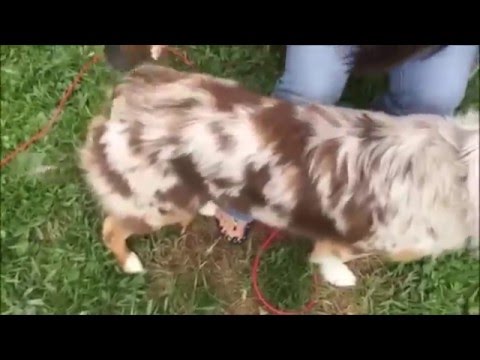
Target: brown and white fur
[(356, 182)]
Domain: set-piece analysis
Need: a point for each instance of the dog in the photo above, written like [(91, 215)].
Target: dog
[(355, 182)]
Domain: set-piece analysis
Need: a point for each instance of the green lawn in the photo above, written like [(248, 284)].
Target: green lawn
[(53, 262)]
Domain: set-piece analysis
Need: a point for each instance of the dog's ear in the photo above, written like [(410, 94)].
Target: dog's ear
[(462, 132), (126, 57)]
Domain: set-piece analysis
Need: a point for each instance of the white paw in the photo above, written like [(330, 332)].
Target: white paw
[(133, 265), (337, 273)]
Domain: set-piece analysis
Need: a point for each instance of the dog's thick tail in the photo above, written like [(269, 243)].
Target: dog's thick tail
[(367, 59)]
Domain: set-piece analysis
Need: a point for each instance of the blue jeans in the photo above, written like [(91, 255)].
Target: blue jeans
[(437, 85)]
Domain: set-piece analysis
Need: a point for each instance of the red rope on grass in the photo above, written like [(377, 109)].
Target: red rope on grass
[(182, 55), (56, 114), (55, 117), (266, 244)]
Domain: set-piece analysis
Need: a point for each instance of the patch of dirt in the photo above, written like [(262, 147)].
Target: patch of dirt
[(181, 266), (337, 301)]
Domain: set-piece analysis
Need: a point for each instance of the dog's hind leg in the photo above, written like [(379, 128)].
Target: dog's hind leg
[(116, 232), (331, 257)]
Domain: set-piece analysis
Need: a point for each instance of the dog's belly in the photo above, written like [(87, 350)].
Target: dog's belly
[(300, 213)]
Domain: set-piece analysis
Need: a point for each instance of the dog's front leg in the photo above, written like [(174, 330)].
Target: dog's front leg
[(331, 258)]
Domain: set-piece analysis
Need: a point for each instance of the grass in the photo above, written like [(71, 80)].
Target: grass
[(53, 262)]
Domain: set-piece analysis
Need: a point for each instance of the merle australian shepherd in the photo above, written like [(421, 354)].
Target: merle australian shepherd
[(355, 182)]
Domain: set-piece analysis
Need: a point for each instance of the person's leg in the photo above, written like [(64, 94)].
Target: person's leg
[(435, 85), (313, 73)]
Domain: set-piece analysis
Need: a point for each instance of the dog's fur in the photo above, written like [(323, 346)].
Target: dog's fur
[(356, 182)]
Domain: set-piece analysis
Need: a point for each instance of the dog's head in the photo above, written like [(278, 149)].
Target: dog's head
[(470, 154), (126, 57), (464, 135)]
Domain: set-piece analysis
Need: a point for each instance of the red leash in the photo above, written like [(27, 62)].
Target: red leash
[(266, 244), (56, 114), (58, 110)]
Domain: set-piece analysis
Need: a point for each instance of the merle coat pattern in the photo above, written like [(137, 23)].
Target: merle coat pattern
[(356, 182)]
